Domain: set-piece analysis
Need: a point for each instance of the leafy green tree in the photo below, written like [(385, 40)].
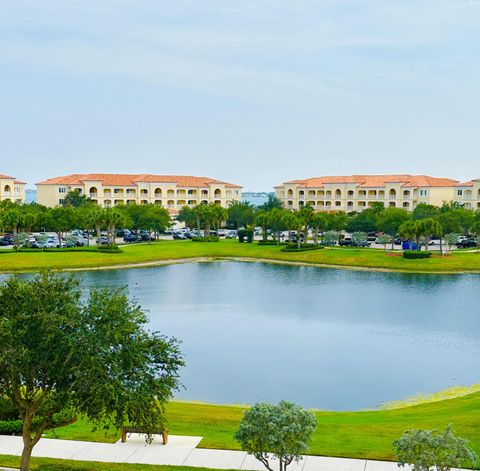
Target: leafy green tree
[(187, 216), (427, 228), (76, 199), (359, 239), (385, 239), (261, 220), (450, 240), (319, 224), (423, 211), (20, 239), (92, 357), (240, 214), (331, 238), (306, 215), (59, 220), (281, 432), (113, 218), (390, 221), (219, 214), (411, 230), (272, 203), (429, 450), (276, 222), (366, 221), (337, 221)]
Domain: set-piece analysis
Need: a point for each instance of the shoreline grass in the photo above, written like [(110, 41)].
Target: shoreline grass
[(176, 251), (363, 434)]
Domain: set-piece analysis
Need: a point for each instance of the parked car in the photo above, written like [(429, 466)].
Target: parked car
[(346, 242), (179, 236), (4, 242), (467, 243), (372, 236), (231, 234), (145, 236), (130, 237)]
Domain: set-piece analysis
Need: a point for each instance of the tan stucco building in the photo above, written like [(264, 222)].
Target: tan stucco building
[(172, 192), (12, 189), (358, 192), (468, 194)]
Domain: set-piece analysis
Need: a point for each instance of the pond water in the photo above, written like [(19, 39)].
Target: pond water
[(330, 339)]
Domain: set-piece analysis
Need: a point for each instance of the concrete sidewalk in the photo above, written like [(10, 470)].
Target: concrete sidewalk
[(180, 451)]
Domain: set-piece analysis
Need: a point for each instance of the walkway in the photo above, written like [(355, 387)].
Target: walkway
[(180, 451)]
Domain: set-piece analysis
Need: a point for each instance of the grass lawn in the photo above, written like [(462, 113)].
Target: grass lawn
[(49, 464), (11, 261), (345, 434)]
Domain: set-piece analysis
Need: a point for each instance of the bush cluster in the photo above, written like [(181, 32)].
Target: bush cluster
[(245, 234), (416, 254), (111, 248), (205, 239), (270, 242)]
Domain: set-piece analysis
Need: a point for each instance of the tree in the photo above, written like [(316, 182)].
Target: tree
[(366, 221), (281, 431), (428, 450), (261, 220), (272, 203), (276, 222), (410, 230), (330, 238), (319, 223), (423, 211), (187, 216), (76, 199), (218, 215), (359, 239), (427, 228), (93, 357), (306, 215), (391, 219), (240, 214), (385, 239), (450, 241)]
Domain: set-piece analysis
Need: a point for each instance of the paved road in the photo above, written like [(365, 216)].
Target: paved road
[(180, 451)]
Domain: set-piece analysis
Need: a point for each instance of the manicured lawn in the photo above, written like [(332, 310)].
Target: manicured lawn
[(175, 250), (49, 464), (345, 434)]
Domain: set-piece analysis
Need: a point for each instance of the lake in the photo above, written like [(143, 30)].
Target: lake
[(329, 339)]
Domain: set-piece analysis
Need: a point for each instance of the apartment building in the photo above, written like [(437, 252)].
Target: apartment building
[(358, 192), (468, 194), (108, 190), (12, 189)]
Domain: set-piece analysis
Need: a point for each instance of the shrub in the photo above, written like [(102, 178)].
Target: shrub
[(14, 427), (416, 254), (245, 234), (111, 248), (7, 411), (205, 239)]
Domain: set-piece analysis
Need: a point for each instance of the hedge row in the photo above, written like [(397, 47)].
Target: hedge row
[(15, 427), (416, 254), (205, 239)]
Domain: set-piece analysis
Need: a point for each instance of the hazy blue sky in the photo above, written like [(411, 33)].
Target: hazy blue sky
[(250, 91)]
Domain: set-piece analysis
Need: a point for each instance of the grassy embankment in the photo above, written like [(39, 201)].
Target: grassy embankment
[(366, 434), (460, 261)]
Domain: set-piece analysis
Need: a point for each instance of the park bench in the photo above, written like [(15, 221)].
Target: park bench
[(128, 429)]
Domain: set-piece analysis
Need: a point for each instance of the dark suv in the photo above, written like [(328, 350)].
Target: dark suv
[(467, 243)]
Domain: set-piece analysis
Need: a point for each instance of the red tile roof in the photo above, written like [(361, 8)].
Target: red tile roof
[(6, 177), (112, 179), (469, 183), (375, 181)]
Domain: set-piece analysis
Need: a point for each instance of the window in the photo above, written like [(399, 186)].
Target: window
[(61, 201), (62, 190), (423, 192), (459, 192)]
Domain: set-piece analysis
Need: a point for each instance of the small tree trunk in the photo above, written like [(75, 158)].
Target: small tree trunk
[(26, 455), (27, 443)]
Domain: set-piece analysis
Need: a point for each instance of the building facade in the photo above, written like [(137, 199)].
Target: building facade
[(468, 194), (108, 190), (12, 189), (359, 192)]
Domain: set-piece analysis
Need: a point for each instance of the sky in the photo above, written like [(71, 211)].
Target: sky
[(254, 92)]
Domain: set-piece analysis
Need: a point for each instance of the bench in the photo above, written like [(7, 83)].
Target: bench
[(127, 430)]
